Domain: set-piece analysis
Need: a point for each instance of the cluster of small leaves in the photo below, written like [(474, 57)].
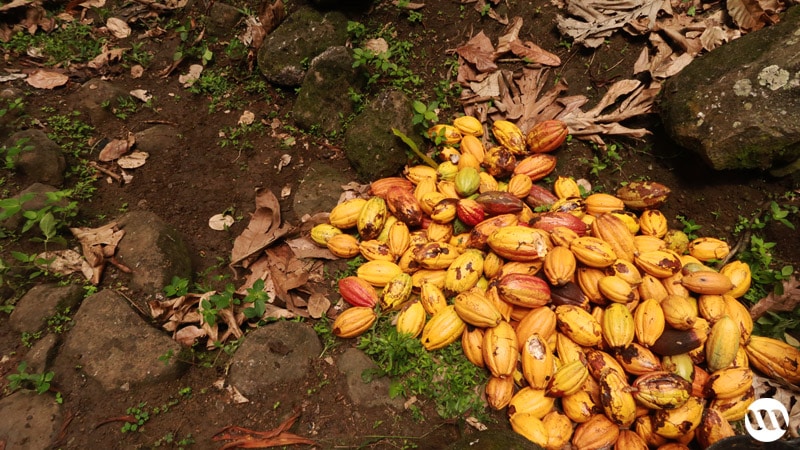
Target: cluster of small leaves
[(256, 296), (10, 153), (444, 376), (140, 415), (70, 42), (391, 66), (22, 379), (50, 218)]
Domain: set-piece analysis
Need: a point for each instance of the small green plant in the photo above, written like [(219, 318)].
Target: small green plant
[(10, 154), (139, 415), (444, 376), (356, 30), (40, 382), (125, 107), (177, 287), (690, 227), (237, 136), (424, 115), (172, 440), (59, 322)]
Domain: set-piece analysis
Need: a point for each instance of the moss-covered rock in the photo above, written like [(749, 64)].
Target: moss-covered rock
[(736, 106), (286, 52), (370, 145)]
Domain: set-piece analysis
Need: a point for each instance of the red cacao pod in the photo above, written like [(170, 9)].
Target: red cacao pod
[(357, 292), (546, 136)]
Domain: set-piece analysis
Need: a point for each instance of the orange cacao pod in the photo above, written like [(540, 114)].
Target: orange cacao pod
[(546, 136)]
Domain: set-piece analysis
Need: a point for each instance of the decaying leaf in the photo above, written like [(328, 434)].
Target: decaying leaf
[(134, 160), (141, 94), (747, 14), (533, 54), (784, 392), (220, 222), (116, 148), (785, 302), (65, 262), (480, 52), (318, 304), (105, 56), (190, 77), (265, 227), (46, 79), (118, 27), (136, 72), (99, 246)]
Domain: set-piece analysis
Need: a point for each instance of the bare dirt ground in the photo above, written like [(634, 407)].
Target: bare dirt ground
[(199, 179)]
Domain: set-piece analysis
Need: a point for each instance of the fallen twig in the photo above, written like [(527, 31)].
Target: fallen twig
[(246, 438)]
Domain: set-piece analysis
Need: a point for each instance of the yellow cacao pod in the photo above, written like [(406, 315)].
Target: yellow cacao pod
[(679, 312), (704, 282), (431, 297), (658, 263), (345, 214), (322, 232), (499, 392), (566, 187), (444, 134), (371, 218), (475, 309), (471, 145), (677, 422), (374, 249), (378, 273), (734, 409), (441, 232), (616, 398), (645, 243), (397, 291), (741, 315), (423, 187), (722, 346), (559, 265), (468, 126), (731, 382), (530, 427), (464, 272), (599, 203), (580, 326), (354, 321), (559, 430), (661, 390), (648, 322), (711, 307), (531, 401), (436, 255), (567, 379), (537, 361), (398, 238), (618, 325), (629, 440), (343, 245), (509, 136), (580, 406), (713, 428), (500, 349), (739, 274), (627, 271), (593, 252), (443, 328), (596, 433), (636, 359), (616, 290), (707, 249), (411, 319), (563, 236), (434, 276), (774, 358), (616, 234), (588, 280), (653, 222), (519, 243), (652, 287), (472, 345)]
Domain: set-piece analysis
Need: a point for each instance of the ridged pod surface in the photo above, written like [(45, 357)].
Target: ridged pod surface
[(500, 349), (443, 328), (537, 361), (577, 324), (774, 358), (596, 433), (354, 321)]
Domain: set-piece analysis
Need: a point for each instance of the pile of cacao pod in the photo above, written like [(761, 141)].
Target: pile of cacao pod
[(599, 324)]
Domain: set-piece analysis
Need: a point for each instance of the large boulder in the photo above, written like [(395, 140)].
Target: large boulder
[(369, 143), (737, 105), (324, 99), (302, 36)]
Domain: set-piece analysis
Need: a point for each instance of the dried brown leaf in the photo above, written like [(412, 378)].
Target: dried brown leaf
[(264, 228), (134, 160), (480, 52), (318, 304), (46, 79), (510, 35), (118, 27), (99, 245), (114, 149), (533, 54), (785, 302), (747, 14)]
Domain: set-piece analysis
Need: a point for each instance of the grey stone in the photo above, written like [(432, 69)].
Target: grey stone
[(369, 143), (156, 139), (42, 353), (153, 250), (41, 302), (222, 19), (42, 161), (737, 105), (273, 354), (303, 35), (116, 347), (29, 420), (321, 187), (324, 98), (375, 392), (94, 94), (39, 199)]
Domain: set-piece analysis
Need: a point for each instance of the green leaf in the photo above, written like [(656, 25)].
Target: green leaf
[(414, 148)]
